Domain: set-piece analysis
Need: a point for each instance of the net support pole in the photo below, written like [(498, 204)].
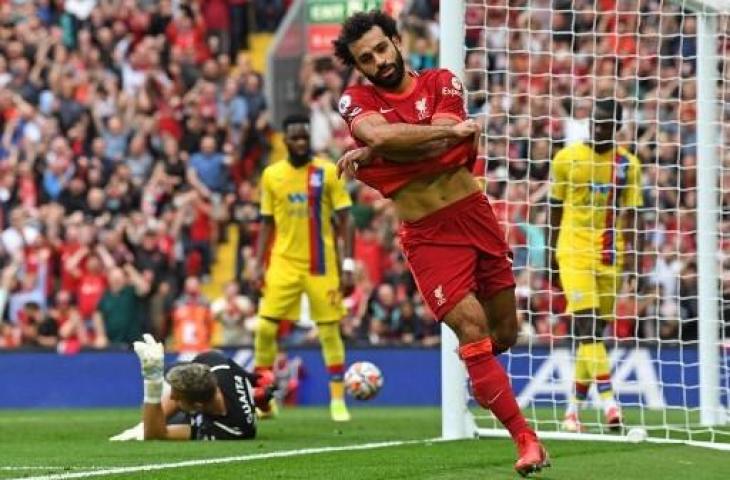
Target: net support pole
[(707, 217), (454, 414)]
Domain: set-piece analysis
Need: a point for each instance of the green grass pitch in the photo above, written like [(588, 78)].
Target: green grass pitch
[(49, 443)]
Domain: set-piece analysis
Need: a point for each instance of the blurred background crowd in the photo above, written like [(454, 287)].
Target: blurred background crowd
[(134, 133)]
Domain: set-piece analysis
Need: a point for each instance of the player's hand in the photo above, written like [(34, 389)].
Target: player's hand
[(256, 275), (347, 283), (134, 433), (151, 357), (554, 273), (466, 129), (630, 266), (352, 160)]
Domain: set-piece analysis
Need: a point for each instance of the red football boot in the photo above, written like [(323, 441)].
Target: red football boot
[(532, 455), (614, 419)]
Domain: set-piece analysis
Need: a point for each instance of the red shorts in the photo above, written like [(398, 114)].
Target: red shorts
[(458, 250)]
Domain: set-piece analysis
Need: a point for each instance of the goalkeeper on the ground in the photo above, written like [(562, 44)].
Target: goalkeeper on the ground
[(210, 398), (595, 192)]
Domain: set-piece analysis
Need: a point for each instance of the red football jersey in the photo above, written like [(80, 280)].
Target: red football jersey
[(433, 94)]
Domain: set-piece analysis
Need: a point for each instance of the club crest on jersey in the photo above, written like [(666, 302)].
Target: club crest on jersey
[(438, 293), (422, 108), (456, 83), (315, 180), (345, 102)]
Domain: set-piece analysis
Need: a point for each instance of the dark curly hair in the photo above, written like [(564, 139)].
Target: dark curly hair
[(358, 25)]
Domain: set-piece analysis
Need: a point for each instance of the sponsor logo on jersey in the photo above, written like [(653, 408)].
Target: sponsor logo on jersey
[(455, 91), (386, 110), (297, 197), (243, 389), (601, 188), (422, 108)]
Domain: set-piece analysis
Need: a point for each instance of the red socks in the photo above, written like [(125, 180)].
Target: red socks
[(491, 386)]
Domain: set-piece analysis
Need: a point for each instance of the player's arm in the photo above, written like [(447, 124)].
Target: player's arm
[(630, 225), (392, 140), (262, 243), (558, 189), (350, 161), (344, 230), (156, 427), (556, 217), (152, 360), (267, 229), (630, 221)]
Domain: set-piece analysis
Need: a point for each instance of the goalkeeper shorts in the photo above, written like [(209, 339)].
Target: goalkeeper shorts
[(458, 250)]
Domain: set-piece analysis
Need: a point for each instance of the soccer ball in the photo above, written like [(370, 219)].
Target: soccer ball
[(363, 380)]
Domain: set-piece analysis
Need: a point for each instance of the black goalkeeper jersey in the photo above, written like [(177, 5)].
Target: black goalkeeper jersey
[(239, 422)]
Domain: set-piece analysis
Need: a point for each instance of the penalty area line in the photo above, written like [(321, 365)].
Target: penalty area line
[(223, 460)]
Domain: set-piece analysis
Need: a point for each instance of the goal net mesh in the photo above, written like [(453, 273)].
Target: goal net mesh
[(533, 70)]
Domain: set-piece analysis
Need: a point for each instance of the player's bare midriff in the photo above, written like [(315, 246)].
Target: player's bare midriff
[(426, 195)]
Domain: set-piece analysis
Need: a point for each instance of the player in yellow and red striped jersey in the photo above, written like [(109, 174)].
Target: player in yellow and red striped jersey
[(301, 199), (595, 193)]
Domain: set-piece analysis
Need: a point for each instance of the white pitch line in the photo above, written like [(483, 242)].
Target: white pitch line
[(46, 467), (221, 460)]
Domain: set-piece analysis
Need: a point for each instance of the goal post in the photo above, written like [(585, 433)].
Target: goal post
[(708, 209), (456, 421), (517, 70)]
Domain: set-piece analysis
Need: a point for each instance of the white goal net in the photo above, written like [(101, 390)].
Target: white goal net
[(533, 70)]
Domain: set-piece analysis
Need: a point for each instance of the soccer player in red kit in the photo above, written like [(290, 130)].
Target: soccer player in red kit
[(417, 148)]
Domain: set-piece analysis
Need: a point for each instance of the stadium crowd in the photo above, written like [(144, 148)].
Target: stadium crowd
[(133, 132)]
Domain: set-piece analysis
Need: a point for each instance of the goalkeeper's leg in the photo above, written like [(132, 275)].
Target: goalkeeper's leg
[(479, 346)]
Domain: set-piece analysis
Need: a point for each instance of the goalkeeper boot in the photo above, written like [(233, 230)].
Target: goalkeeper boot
[(263, 394), (338, 410), (614, 420), (532, 455), (571, 423), (269, 411)]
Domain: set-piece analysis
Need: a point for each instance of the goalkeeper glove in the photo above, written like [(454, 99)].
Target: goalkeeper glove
[(134, 433), (152, 359)]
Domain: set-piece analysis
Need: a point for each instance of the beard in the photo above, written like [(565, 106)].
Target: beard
[(299, 159), (392, 80)]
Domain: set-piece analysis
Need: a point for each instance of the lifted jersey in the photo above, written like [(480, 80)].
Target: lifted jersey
[(433, 94), (239, 422)]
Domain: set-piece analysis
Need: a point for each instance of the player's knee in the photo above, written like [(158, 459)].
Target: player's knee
[(472, 328), (468, 321), (505, 336), (266, 328), (584, 326)]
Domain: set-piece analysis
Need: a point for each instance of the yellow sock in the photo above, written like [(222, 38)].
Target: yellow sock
[(582, 375), (600, 369), (337, 390), (333, 351), (265, 343)]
